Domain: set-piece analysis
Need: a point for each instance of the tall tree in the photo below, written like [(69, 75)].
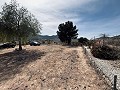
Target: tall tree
[(67, 32), (18, 23)]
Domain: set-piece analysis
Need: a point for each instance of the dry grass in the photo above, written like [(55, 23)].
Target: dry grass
[(46, 67)]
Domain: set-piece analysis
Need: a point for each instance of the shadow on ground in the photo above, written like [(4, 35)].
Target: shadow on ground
[(11, 63)]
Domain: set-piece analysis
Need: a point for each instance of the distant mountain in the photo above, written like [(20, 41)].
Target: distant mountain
[(115, 40), (45, 37), (113, 37), (116, 37)]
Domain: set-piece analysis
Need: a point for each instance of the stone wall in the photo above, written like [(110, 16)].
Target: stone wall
[(104, 68)]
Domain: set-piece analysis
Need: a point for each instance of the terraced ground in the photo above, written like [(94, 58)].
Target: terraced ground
[(48, 67)]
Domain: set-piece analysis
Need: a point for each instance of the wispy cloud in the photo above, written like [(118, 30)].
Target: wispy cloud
[(92, 17)]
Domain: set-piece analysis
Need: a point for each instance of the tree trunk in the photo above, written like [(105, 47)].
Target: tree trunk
[(20, 44), (69, 41)]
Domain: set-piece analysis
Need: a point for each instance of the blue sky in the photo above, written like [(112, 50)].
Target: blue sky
[(92, 17)]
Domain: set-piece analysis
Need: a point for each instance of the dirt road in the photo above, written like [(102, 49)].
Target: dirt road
[(54, 68)]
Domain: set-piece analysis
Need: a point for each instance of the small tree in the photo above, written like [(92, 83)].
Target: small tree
[(18, 23), (83, 41), (67, 32)]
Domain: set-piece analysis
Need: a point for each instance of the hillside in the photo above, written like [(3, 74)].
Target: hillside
[(115, 40), (116, 37), (45, 37)]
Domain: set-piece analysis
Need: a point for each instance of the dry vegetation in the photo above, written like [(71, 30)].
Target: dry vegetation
[(46, 67)]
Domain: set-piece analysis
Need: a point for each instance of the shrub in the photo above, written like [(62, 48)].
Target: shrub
[(105, 52), (83, 41)]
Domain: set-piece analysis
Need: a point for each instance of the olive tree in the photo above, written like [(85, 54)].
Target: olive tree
[(17, 23)]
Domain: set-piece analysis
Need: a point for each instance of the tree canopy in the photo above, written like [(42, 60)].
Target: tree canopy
[(67, 32), (17, 23), (83, 40)]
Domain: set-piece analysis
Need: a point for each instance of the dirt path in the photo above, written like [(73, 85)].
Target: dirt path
[(61, 68)]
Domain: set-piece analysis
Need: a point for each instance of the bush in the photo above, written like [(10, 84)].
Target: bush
[(74, 44), (105, 52), (83, 41)]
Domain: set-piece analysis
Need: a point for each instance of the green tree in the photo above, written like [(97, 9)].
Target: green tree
[(67, 32), (18, 23), (83, 41)]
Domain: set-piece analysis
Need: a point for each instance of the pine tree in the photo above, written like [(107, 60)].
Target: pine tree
[(67, 32)]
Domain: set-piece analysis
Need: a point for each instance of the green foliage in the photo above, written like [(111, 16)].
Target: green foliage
[(17, 23), (83, 41), (105, 52), (67, 32), (74, 44)]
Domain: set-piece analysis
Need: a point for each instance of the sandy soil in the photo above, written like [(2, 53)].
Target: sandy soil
[(48, 67)]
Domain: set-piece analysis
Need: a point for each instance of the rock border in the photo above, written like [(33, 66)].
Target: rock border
[(103, 68)]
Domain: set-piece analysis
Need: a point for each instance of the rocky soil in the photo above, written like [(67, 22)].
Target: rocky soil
[(48, 67)]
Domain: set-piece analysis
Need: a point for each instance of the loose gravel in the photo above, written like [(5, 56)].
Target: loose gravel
[(106, 67)]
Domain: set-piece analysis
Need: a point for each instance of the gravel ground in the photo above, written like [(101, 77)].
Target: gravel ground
[(115, 63), (107, 67), (48, 67)]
